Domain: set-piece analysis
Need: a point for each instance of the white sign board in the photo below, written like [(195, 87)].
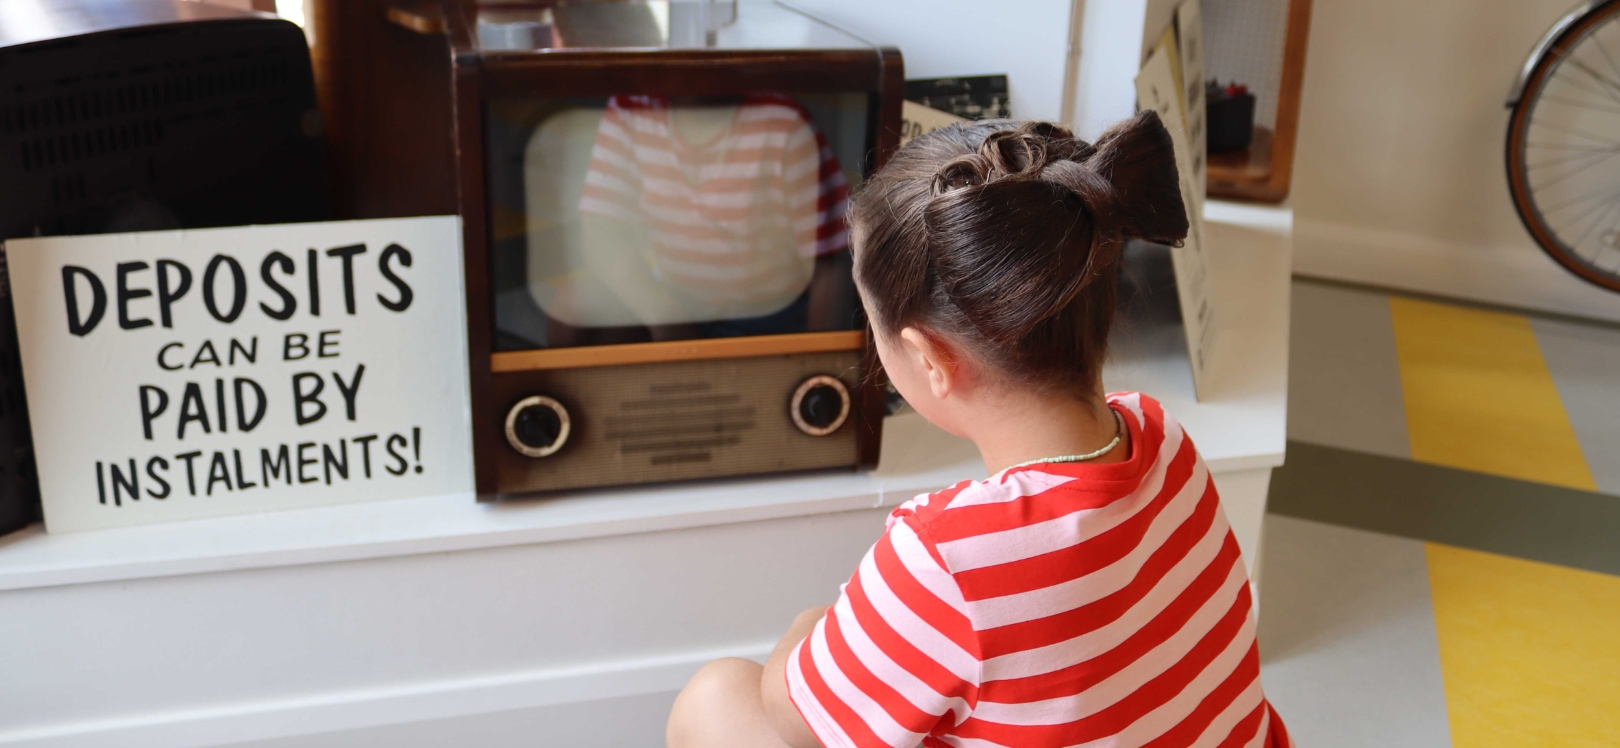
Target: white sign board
[(1190, 53), (182, 374), (1156, 89)]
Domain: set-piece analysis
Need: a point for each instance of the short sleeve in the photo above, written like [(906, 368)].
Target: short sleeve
[(612, 182), (896, 658)]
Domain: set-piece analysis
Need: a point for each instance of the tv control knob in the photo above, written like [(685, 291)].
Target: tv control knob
[(537, 426), (820, 405)]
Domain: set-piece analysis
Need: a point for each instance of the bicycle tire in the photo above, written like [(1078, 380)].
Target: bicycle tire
[(1519, 187)]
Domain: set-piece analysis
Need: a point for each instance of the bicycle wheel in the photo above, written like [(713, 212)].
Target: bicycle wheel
[(1563, 147)]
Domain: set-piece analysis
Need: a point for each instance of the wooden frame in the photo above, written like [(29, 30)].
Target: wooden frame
[(692, 73), (384, 93), (676, 350), (1265, 169), (423, 57)]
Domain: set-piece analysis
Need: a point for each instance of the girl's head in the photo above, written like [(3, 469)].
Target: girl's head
[(992, 248)]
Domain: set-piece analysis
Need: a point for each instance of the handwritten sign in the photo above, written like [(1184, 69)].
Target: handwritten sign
[(182, 374)]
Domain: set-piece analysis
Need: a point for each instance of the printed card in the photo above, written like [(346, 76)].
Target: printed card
[(174, 375)]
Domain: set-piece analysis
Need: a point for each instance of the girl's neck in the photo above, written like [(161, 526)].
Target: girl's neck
[(1030, 426)]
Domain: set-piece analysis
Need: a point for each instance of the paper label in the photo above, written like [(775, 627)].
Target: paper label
[(175, 375), (916, 119), (1190, 49)]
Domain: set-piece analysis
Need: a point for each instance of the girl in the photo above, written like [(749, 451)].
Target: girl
[(1090, 591)]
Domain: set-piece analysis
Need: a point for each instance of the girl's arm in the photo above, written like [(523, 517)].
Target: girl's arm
[(773, 692)]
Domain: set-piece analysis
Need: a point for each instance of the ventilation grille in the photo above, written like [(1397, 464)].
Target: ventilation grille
[(119, 112), (67, 189), (66, 148), (679, 422), (190, 124)]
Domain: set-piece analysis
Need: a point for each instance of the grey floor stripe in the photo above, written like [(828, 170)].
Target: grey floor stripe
[(1344, 382), (1400, 497), (1585, 365), (1348, 649)]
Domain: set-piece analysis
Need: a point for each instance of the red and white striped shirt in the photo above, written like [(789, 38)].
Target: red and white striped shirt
[(1050, 605), (737, 218)]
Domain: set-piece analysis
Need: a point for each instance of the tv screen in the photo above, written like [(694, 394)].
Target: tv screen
[(636, 218)]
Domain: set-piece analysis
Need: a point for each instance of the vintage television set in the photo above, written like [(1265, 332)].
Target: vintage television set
[(134, 115), (656, 251)]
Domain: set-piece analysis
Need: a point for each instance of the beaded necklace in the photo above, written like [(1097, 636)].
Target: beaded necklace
[(1119, 432)]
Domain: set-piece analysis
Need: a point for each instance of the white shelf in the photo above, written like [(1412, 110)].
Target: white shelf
[(31, 558), (1240, 425)]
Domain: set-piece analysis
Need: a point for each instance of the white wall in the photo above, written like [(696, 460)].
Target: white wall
[(1026, 39), (1399, 177), (1111, 41), (1115, 38)]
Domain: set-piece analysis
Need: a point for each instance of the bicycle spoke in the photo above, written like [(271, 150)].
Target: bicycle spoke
[(1605, 52), (1577, 133), (1575, 221), (1608, 207), (1600, 156), (1595, 194), (1596, 258), (1567, 147), (1611, 88), (1582, 168), (1578, 164), (1580, 104), (1614, 226), (1571, 55), (1574, 82)]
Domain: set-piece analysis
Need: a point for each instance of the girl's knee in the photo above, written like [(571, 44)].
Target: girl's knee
[(717, 691), (725, 677)]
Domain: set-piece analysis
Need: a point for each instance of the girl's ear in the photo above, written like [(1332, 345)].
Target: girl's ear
[(934, 359)]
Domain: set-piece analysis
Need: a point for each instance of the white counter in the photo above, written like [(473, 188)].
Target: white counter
[(567, 620)]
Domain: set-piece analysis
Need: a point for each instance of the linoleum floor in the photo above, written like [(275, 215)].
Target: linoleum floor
[(1441, 557)]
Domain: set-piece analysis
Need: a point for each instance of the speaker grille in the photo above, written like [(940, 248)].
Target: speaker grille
[(682, 422)]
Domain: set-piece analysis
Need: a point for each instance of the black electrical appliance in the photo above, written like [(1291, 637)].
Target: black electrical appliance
[(137, 115)]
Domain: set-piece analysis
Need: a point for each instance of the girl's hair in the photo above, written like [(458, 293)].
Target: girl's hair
[(1006, 237)]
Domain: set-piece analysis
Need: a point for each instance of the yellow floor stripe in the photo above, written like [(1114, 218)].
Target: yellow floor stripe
[(1479, 396), (1529, 652)]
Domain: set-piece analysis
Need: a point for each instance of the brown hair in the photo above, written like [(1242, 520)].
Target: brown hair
[(1006, 237)]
